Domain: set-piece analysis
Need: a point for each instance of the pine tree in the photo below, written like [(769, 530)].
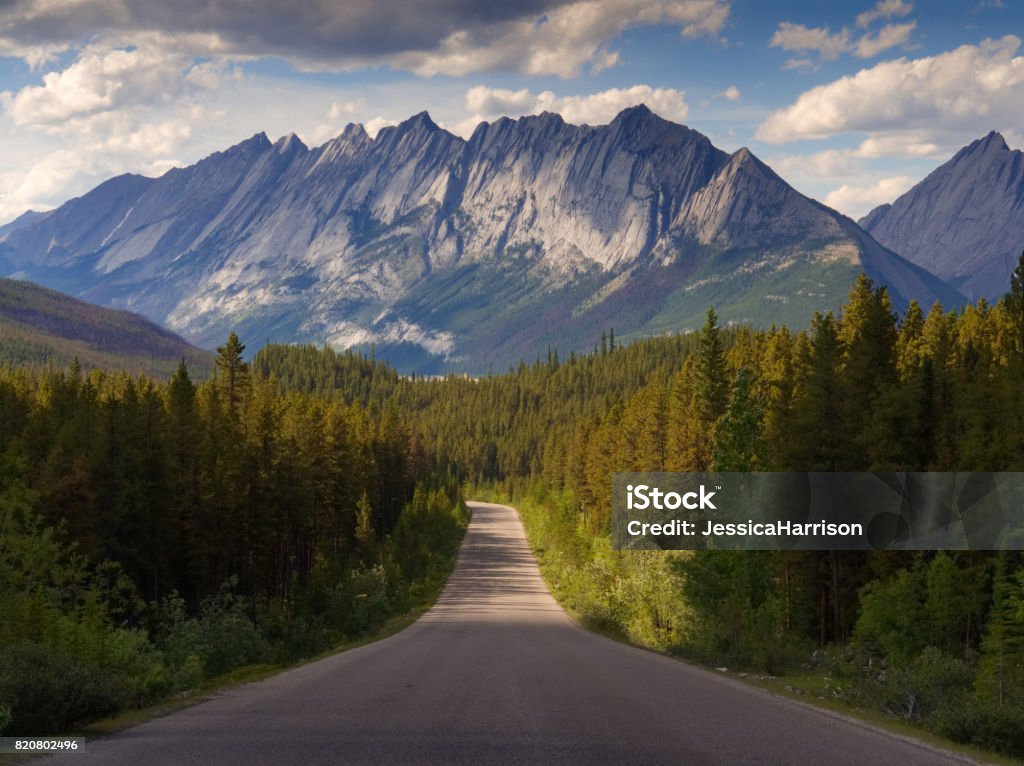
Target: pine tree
[(711, 383), (910, 343), (232, 374), (818, 428), (1001, 667), (1014, 302), (868, 332), (365, 534), (739, 440)]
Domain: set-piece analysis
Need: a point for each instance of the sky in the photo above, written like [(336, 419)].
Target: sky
[(851, 102)]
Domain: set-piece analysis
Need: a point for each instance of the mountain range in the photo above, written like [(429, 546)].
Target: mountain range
[(964, 222), (446, 253)]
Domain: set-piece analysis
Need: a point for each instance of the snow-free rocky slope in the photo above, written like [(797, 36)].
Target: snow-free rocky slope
[(965, 221), (448, 253)]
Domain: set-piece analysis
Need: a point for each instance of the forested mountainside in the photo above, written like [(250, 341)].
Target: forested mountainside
[(40, 327)]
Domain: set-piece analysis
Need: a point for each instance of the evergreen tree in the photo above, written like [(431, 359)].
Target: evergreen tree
[(232, 374), (818, 427), (1001, 667), (868, 333), (1014, 302), (711, 381), (739, 440)]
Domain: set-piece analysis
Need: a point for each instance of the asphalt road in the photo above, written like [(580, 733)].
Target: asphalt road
[(496, 673)]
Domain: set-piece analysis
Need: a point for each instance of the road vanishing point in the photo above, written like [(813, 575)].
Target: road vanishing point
[(497, 673)]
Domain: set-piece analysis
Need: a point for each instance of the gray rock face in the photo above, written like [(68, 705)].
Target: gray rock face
[(965, 221), (532, 231)]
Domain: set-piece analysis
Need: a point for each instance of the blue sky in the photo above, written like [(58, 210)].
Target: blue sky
[(851, 103)]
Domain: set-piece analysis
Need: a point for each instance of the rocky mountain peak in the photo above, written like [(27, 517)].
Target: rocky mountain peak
[(256, 143), (289, 143), (418, 123), (635, 116), (964, 221), (354, 132)]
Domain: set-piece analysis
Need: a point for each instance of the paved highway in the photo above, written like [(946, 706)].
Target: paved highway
[(496, 673)]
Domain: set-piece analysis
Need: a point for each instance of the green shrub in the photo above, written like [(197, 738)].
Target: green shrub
[(982, 723), (228, 638), (178, 637), (47, 691), (918, 689)]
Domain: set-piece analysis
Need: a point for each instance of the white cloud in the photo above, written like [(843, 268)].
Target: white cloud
[(800, 65), (732, 93), (102, 79), (797, 37), (955, 91), (108, 112), (885, 9), (341, 109), (904, 144), (840, 165), (35, 56), (856, 201), (106, 145), (497, 101), (887, 37), (374, 126), (830, 45), (487, 104), (827, 164)]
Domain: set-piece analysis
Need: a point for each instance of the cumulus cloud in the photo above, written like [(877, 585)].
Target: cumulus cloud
[(856, 201), (105, 145), (953, 91), (846, 164), (732, 93), (557, 37), (498, 101), (488, 104), (886, 9), (339, 109), (107, 112), (102, 79), (34, 55)]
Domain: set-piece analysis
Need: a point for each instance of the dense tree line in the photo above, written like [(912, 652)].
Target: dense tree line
[(152, 535), (935, 637)]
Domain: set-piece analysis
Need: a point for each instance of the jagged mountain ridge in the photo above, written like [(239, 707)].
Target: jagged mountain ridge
[(964, 222), (532, 232)]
